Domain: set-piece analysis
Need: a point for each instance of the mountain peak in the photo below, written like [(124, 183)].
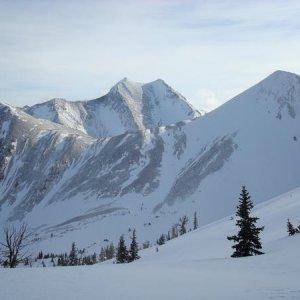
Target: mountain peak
[(280, 77), (125, 81), (279, 81), (278, 94), (4, 104), (58, 100), (129, 105), (5, 107), (282, 73), (158, 83)]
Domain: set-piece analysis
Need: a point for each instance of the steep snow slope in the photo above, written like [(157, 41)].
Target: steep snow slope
[(148, 179), (194, 266), (33, 154), (128, 106)]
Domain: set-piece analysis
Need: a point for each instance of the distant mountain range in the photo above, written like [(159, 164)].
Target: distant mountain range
[(129, 106), (141, 157)]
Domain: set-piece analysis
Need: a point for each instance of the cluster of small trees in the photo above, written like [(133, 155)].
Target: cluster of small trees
[(177, 229), (291, 229), (107, 252), (41, 255), (125, 255), (76, 257)]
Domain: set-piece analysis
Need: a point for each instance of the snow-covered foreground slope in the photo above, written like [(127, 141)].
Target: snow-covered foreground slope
[(194, 266), (128, 106)]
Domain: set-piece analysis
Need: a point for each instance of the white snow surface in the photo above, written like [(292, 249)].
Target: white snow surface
[(194, 266)]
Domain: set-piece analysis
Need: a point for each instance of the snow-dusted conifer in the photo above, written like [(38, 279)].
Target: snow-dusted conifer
[(195, 221), (73, 257), (94, 258), (182, 225), (122, 253), (168, 236), (290, 228), (102, 256), (110, 251), (161, 240), (247, 241), (174, 232), (134, 248)]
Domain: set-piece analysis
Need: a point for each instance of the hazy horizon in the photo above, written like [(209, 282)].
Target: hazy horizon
[(209, 51)]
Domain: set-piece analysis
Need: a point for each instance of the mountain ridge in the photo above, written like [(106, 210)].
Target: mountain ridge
[(128, 106), (85, 189)]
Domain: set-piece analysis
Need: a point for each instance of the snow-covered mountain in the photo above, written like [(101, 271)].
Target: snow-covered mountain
[(129, 106), (196, 265), (72, 187)]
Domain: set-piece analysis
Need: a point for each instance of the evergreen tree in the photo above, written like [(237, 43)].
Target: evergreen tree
[(146, 245), (182, 225), (102, 256), (161, 240), (26, 261), (134, 248), (62, 261), (290, 228), (52, 261), (73, 257), (247, 241), (168, 236), (195, 221), (81, 254), (122, 253), (110, 251), (87, 260), (40, 255), (94, 258), (174, 232)]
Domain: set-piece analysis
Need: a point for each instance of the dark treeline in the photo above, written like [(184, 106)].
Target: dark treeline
[(77, 257)]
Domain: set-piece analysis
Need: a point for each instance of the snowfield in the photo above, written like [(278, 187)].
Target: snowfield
[(194, 266)]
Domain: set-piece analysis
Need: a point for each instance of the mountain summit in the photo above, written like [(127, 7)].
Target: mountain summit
[(129, 106)]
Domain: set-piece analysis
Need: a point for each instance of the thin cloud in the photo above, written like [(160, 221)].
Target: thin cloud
[(75, 49)]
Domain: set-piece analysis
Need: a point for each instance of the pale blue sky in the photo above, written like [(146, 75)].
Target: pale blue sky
[(207, 50)]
